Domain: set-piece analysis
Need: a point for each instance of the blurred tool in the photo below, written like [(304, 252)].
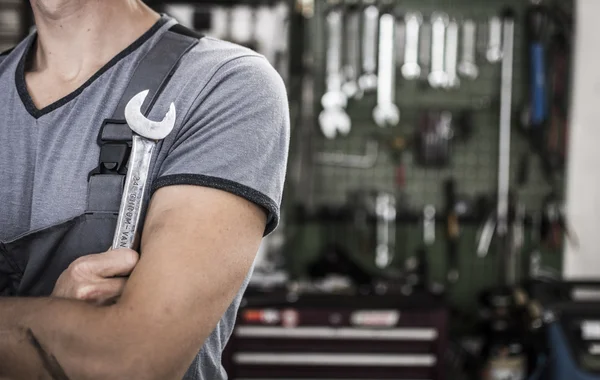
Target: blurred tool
[(467, 67), (368, 80), (418, 276), (333, 119), (352, 66), (494, 47), (554, 224), (438, 76), (385, 210), (241, 25), (411, 69), (452, 232), (434, 136), (537, 24), (386, 113), (425, 50), (451, 55), (499, 221), (358, 161)]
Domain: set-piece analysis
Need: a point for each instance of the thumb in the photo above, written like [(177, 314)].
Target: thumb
[(119, 262)]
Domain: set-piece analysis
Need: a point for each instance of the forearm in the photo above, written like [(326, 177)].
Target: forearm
[(51, 338)]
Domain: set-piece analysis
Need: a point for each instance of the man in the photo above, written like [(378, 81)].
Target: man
[(216, 184)]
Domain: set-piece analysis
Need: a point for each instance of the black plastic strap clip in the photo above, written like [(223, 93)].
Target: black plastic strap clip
[(115, 146)]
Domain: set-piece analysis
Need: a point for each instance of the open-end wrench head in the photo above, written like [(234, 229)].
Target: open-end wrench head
[(153, 130), (334, 120), (386, 115)]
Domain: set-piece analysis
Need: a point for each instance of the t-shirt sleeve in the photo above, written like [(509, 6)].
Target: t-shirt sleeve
[(235, 136)]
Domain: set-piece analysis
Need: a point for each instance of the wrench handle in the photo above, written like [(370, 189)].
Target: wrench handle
[(132, 201)]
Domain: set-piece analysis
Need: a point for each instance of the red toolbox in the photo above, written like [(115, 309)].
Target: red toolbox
[(339, 337)]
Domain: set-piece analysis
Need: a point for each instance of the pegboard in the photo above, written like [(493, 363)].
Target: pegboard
[(473, 166), (473, 163)]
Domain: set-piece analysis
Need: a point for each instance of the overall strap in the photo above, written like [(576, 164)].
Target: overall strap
[(106, 182)]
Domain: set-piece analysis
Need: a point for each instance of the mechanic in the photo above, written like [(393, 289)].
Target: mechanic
[(70, 308)]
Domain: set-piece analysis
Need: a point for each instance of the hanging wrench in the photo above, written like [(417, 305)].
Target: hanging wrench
[(334, 119), (438, 77), (425, 49), (494, 47), (411, 69), (368, 81), (467, 66), (147, 133), (352, 66), (386, 113), (451, 55)]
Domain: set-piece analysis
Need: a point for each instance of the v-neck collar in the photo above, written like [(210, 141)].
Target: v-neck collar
[(28, 54)]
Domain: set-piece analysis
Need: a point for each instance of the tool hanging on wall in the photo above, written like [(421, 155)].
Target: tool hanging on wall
[(452, 232), (386, 113), (467, 67), (425, 51), (333, 119), (368, 80), (411, 69), (438, 77), (451, 55), (497, 223), (433, 140), (352, 67), (494, 49)]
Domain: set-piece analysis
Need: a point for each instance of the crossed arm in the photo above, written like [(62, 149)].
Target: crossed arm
[(198, 246)]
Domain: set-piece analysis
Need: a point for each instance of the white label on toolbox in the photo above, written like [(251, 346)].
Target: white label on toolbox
[(590, 330), (290, 318), (375, 318)]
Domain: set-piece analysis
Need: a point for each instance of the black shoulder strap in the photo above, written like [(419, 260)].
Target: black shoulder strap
[(105, 184)]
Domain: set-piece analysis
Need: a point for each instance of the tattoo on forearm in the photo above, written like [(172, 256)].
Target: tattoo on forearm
[(48, 360)]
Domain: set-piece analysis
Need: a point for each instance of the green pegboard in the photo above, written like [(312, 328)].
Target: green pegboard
[(473, 162)]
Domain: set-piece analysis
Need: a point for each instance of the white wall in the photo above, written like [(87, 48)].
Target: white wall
[(583, 184)]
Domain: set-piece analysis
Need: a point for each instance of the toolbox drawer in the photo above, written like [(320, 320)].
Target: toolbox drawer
[(335, 338)]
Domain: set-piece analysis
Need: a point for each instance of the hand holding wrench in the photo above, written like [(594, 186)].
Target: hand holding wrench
[(147, 133)]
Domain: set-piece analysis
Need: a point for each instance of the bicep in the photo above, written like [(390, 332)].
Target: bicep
[(198, 246)]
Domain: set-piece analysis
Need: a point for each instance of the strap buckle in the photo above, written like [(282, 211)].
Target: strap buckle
[(115, 146)]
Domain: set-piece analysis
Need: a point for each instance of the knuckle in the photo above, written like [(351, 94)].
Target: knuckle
[(83, 292)]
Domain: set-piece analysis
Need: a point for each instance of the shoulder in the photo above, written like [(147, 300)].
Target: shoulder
[(218, 65)]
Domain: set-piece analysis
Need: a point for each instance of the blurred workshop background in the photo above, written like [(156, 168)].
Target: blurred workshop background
[(441, 218)]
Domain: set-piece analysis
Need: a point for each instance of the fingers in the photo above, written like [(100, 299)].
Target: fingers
[(102, 292), (112, 263)]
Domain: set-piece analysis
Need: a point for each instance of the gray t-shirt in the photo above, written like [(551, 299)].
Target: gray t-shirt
[(232, 133)]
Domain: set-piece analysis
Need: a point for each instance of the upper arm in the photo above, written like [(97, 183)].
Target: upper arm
[(218, 192)]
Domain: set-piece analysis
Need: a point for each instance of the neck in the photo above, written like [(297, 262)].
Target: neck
[(77, 37)]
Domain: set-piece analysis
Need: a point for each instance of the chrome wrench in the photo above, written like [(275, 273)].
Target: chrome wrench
[(145, 137), (451, 55), (411, 69), (368, 80), (352, 66), (467, 66), (438, 77), (494, 47), (334, 119), (386, 113)]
